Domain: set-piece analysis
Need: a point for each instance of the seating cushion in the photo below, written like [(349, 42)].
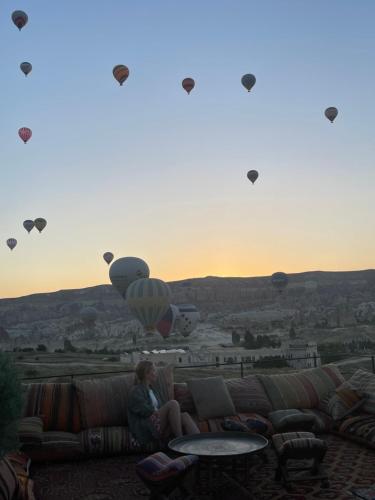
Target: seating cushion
[(280, 439), (56, 403), (249, 419), (30, 430), (159, 466), (303, 389), (345, 401), (211, 397), (360, 427), (293, 420)]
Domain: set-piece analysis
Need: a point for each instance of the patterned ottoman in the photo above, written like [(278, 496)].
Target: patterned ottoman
[(162, 475), (302, 447)]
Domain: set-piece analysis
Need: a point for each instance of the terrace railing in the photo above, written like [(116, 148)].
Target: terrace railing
[(243, 366)]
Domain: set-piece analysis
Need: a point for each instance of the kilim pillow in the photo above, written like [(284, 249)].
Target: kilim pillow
[(345, 401), (30, 430), (248, 395), (364, 381)]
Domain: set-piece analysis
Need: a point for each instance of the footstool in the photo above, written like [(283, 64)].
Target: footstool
[(299, 446), (162, 475)]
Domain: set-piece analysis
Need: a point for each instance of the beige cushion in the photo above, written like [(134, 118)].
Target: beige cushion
[(211, 397), (30, 430)]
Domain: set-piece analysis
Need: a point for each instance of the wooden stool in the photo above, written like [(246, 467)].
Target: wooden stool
[(299, 446), (162, 475)]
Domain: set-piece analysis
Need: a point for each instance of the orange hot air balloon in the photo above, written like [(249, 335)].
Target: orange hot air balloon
[(25, 134), (188, 84), (121, 73)]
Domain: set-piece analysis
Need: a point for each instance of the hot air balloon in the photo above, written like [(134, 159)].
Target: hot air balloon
[(108, 257), (126, 270), (331, 113), (88, 316), (148, 299), (188, 319), (26, 68), (188, 84), (28, 225), (25, 134), (279, 281), (121, 73), (252, 175), (40, 224), (248, 81), (19, 18), (166, 324), (12, 242)]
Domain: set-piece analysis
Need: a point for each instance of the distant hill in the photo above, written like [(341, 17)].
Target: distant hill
[(318, 290)]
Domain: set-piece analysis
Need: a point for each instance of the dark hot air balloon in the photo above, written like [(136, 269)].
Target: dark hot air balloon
[(26, 68), (25, 134), (19, 18), (252, 175), (126, 270), (331, 113), (12, 242), (188, 84), (108, 257), (248, 81), (279, 281), (28, 225), (40, 224), (121, 73)]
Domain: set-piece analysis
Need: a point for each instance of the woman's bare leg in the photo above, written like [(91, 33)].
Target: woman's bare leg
[(188, 424), (170, 417)]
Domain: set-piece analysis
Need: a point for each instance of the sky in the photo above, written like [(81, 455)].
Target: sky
[(148, 171)]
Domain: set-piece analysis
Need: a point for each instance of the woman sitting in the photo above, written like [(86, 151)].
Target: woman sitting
[(150, 419)]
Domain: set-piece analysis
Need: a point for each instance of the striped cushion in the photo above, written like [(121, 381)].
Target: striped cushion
[(104, 402), (10, 487), (303, 389), (364, 382), (344, 401), (30, 430), (56, 403), (248, 395), (298, 445), (106, 441), (56, 439), (159, 466), (360, 426)]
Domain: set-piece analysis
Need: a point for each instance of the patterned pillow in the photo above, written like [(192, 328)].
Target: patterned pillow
[(365, 382), (345, 401), (248, 395), (30, 430), (303, 389)]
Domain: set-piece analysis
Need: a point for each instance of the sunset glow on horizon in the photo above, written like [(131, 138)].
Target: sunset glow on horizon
[(147, 170)]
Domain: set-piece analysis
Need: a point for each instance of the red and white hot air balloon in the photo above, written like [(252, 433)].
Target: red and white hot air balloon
[(25, 134), (188, 84)]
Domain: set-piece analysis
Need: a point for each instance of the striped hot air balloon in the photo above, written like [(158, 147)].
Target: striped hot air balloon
[(26, 68), (167, 322), (148, 299), (11, 242), (188, 84), (121, 73), (25, 134), (20, 18)]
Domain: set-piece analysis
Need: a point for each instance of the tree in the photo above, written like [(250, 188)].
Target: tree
[(11, 405), (249, 341), (236, 338), (41, 348), (292, 333)]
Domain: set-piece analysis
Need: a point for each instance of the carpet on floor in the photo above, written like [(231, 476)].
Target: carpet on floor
[(348, 464)]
